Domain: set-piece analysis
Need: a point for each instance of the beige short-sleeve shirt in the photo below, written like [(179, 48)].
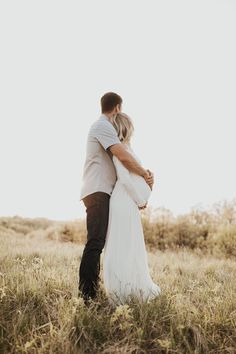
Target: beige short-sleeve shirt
[(99, 171)]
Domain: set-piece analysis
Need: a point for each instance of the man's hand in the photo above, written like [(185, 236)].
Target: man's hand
[(149, 178)]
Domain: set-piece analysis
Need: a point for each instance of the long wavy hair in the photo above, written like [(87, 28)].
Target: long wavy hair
[(124, 126)]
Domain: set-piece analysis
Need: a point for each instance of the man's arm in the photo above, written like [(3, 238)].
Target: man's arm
[(130, 163)]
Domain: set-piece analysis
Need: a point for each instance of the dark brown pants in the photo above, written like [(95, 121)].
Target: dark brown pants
[(97, 209)]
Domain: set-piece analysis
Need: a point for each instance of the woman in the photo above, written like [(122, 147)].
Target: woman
[(125, 265)]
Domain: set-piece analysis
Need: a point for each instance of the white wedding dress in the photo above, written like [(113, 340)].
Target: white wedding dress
[(125, 264)]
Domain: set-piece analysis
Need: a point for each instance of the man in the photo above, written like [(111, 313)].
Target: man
[(99, 178)]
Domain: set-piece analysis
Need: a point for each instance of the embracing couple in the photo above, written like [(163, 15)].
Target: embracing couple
[(115, 188)]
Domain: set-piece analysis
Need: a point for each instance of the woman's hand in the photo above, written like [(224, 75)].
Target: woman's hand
[(143, 207)]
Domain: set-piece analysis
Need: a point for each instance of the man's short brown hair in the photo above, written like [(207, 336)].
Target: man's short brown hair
[(109, 101)]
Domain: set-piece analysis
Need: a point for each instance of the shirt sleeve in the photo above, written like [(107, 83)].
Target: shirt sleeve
[(124, 176), (106, 135)]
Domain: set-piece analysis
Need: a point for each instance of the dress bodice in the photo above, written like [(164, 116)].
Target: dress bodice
[(135, 185)]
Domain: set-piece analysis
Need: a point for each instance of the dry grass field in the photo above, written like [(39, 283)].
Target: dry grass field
[(192, 258)]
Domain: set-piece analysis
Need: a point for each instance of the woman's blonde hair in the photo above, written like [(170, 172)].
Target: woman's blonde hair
[(123, 125)]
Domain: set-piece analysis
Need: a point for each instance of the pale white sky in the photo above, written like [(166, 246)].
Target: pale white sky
[(173, 62)]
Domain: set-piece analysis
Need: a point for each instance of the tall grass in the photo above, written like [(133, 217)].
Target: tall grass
[(40, 311)]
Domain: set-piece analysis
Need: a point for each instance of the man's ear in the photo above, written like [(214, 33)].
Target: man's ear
[(118, 108)]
